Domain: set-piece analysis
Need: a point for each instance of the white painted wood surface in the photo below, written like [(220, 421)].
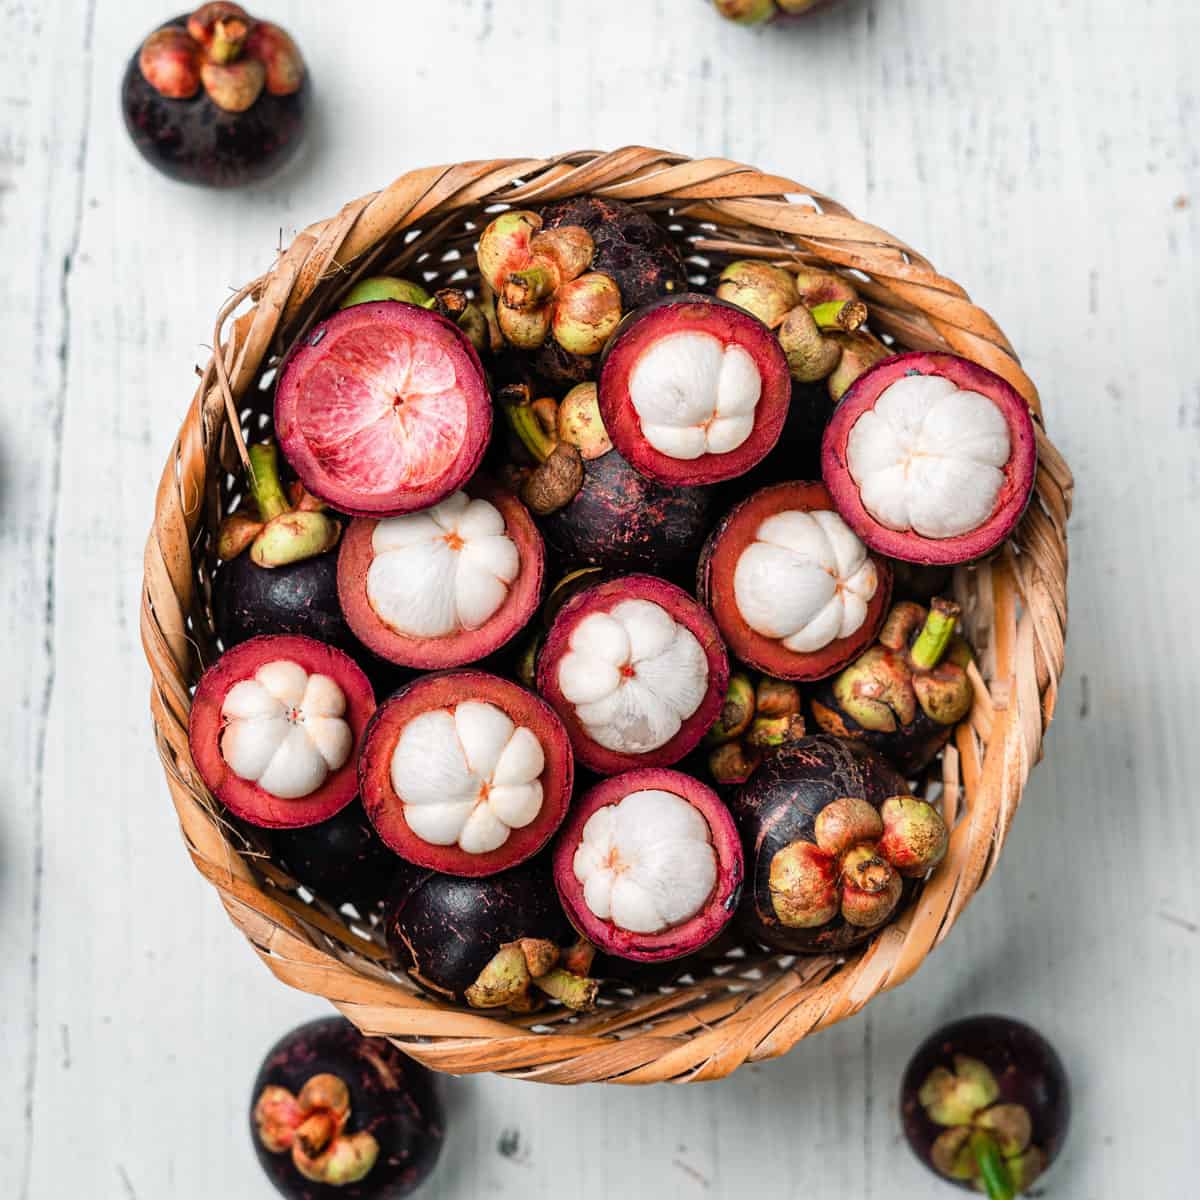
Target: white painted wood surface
[(1044, 153)]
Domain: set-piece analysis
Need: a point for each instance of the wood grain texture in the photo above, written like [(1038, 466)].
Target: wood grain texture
[(1048, 160)]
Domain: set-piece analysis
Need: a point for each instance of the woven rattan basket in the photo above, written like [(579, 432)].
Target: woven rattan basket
[(747, 1005)]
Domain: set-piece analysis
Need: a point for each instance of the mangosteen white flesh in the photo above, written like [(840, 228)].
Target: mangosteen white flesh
[(439, 572), (647, 862), (467, 777), (634, 675), (806, 580), (284, 729), (929, 457), (695, 395)]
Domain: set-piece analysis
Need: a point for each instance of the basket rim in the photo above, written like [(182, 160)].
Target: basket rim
[(1015, 606)]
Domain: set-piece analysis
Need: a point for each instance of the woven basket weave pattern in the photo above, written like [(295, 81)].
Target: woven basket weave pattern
[(748, 1005)]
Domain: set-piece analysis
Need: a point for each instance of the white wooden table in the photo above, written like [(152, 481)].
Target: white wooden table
[(1043, 153)]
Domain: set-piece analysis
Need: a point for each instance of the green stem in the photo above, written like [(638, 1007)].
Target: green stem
[(264, 482), (529, 430), (530, 287), (992, 1169), (840, 314), (935, 634)]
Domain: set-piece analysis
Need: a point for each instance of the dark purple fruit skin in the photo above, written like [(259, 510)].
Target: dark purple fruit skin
[(342, 860), (446, 929), (624, 522), (391, 1097), (778, 805), (194, 141), (1027, 1069)]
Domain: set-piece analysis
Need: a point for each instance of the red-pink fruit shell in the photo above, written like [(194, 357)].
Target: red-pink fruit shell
[(469, 645), (446, 689), (242, 797), (729, 324), (681, 939), (683, 609), (383, 409), (1020, 471), (715, 585)]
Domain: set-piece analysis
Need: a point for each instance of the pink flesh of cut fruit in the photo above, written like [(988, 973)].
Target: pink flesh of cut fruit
[(383, 409)]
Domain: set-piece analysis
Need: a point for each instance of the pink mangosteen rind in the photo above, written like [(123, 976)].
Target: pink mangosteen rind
[(468, 645), (696, 313), (678, 940), (242, 797), (907, 545), (422, 327), (686, 612), (446, 689), (714, 576)]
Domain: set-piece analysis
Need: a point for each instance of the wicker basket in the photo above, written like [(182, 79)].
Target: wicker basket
[(748, 1005)]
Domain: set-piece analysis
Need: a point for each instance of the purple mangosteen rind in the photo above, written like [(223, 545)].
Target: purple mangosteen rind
[(392, 1098), (243, 798), (444, 930), (1027, 1071), (1020, 470), (686, 611), (442, 689), (689, 936), (306, 353), (696, 309)]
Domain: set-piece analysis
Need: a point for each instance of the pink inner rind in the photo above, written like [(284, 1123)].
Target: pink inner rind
[(243, 798), (690, 935), (446, 689), (344, 437), (683, 609), (1020, 471), (467, 646), (728, 323)]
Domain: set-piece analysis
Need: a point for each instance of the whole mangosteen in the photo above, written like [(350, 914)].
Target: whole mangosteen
[(338, 1114), (217, 97)]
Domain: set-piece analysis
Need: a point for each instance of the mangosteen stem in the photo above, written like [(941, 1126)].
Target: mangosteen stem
[(229, 36), (840, 314), (992, 1169), (533, 436), (935, 635), (264, 481), (530, 287)]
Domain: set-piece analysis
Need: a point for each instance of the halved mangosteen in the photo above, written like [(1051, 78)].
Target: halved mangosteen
[(694, 390), (931, 458), (793, 590), (636, 670), (274, 730), (649, 866), (465, 773), (446, 586), (382, 409)]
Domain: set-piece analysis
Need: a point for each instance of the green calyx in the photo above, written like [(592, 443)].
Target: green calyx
[(737, 711), (386, 287), (934, 639), (747, 12), (517, 968)]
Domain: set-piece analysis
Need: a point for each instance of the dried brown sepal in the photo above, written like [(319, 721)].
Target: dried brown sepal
[(554, 483), (733, 763)]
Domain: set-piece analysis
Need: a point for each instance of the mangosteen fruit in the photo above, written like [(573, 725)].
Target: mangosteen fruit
[(793, 590), (341, 860), (445, 586), (649, 867), (338, 1114), (833, 842), (275, 727), (216, 98), (465, 773), (499, 942), (762, 12), (636, 670), (930, 458), (693, 390), (986, 1105), (755, 720), (904, 695), (382, 409)]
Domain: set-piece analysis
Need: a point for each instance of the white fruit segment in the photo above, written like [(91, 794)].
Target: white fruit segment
[(928, 457), (805, 580), (441, 571), (695, 395), (467, 776), (634, 675), (646, 863), (284, 729)]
